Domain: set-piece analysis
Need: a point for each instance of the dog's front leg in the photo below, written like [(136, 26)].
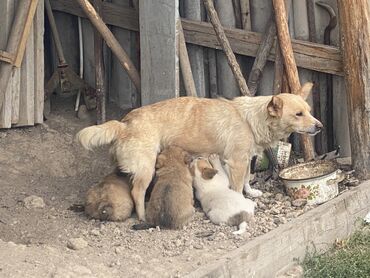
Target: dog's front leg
[(139, 185), (236, 171), (247, 188)]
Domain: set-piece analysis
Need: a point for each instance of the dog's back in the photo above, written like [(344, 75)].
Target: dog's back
[(111, 199), (171, 202)]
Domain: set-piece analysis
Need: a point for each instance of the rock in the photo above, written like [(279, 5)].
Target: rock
[(119, 250), (76, 243), (279, 197), (33, 201), (274, 210), (95, 232), (287, 204), (138, 259), (72, 271), (261, 205), (299, 202), (82, 113)]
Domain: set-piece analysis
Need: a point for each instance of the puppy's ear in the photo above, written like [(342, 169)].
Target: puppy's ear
[(187, 158), (305, 90), (160, 161), (208, 173), (275, 107)]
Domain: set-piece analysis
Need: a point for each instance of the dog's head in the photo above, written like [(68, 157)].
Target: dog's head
[(173, 157), (291, 112)]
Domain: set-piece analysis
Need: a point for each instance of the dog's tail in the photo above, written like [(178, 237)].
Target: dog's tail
[(142, 226), (99, 135), (242, 228)]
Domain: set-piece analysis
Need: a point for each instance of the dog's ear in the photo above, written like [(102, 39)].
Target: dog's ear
[(275, 107), (305, 90), (208, 173), (160, 161)]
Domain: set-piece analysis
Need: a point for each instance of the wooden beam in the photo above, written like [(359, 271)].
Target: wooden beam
[(354, 19), (290, 66), (312, 56)]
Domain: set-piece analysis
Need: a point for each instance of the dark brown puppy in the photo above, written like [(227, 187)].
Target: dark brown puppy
[(171, 202), (111, 199)]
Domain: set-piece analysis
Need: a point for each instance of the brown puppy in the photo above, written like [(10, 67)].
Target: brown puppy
[(171, 202), (111, 199), (236, 130)]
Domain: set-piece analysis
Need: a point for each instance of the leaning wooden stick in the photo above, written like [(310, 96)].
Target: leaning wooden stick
[(222, 39), (290, 65), (187, 74), (112, 42)]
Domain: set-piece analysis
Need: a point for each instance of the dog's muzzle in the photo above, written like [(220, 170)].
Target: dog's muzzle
[(312, 131)]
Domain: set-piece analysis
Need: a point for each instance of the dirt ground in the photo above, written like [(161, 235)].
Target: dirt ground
[(34, 241)]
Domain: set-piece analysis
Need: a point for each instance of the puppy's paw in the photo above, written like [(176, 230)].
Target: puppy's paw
[(214, 159), (254, 193)]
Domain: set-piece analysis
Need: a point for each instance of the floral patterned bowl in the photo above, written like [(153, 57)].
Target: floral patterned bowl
[(315, 181)]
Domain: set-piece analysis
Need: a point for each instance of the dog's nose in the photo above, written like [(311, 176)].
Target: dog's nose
[(318, 126)]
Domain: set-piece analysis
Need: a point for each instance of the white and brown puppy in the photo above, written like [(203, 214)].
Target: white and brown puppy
[(171, 201), (111, 198), (236, 130), (219, 202)]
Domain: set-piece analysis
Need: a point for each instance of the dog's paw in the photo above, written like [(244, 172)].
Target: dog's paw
[(254, 193)]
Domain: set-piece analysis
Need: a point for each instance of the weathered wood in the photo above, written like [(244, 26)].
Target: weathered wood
[(290, 66), (38, 33), (226, 47), (308, 55), (158, 46), (213, 88), (278, 71), (261, 58), (238, 14), (13, 41), (354, 19), (245, 13), (25, 33), (187, 74), (111, 42), (192, 11), (99, 70), (26, 96)]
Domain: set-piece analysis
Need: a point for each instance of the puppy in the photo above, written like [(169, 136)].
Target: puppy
[(219, 202), (171, 202), (236, 130), (111, 199)]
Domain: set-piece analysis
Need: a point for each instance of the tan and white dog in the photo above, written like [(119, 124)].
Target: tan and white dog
[(235, 129)]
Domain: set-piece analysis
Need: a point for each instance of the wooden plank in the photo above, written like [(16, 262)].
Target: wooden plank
[(25, 33), (308, 55), (27, 86), (15, 89), (354, 19), (38, 33), (7, 9), (158, 46)]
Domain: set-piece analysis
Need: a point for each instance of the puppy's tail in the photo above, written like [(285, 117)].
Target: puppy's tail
[(241, 220), (142, 226), (242, 228), (98, 135)]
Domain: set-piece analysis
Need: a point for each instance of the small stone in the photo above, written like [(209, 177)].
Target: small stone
[(267, 195), (76, 243), (82, 113), (261, 205), (279, 197), (117, 231), (95, 232), (198, 246), (287, 204), (178, 243), (299, 202), (138, 258), (33, 201), (274, 210), (119, 250)]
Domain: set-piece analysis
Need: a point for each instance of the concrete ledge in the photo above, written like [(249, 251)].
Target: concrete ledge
[(318, 228)]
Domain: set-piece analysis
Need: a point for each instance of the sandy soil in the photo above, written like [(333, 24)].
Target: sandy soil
[(34, 242)]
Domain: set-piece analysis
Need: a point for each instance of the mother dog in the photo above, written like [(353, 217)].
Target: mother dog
[(235, 129)]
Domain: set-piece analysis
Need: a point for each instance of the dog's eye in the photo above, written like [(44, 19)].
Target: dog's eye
[(299, 114)]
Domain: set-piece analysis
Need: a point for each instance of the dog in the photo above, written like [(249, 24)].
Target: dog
[(219, 202), (235, 129), (171, 202), (111, 199)]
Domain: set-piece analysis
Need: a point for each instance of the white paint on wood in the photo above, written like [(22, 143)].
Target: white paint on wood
[(158, 44)]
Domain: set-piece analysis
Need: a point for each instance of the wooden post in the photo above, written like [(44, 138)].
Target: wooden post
[(354, 16), (99, 70), (159, 50), (187, 74), (226, 47), (245, 13), (290, 65), (111, 42), (193, 11)]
